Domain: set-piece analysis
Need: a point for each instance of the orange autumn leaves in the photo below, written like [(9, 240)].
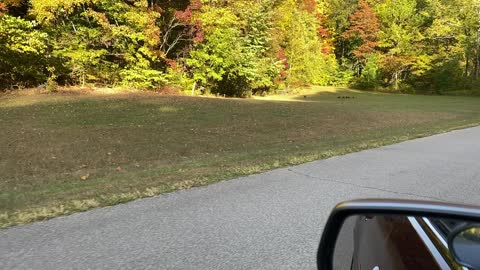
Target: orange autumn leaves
[(364, 26)]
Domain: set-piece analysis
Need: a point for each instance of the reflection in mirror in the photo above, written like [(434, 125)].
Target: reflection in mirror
[(466, 246), (398, 242)]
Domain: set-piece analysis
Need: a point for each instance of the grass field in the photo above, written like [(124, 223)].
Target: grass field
[(63, 153)]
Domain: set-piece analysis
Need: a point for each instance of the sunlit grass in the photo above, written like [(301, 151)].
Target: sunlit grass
[(63, 153), (298, 95)]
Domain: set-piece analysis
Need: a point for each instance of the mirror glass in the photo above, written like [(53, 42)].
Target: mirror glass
[(466, 246), (400, 242)]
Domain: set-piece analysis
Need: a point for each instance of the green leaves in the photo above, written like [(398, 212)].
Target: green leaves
[(220, 52), (18, 35), (22, 51), (143, 78), (401, 23), (98, 38), (233, 57), (303, 46)]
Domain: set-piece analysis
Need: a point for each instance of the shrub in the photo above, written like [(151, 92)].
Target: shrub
[(23, 51), (144, 78)]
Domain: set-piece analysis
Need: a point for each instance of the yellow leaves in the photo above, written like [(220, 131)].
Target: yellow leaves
[(99, 17), (141, 3), (48, 10)]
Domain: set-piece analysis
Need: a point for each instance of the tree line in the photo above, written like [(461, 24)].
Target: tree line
[(241, 47)]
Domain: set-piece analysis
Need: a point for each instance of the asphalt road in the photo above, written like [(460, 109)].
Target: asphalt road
[(267, 221)]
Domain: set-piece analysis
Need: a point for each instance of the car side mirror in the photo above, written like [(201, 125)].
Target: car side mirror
[(399, 234), (464, 243)]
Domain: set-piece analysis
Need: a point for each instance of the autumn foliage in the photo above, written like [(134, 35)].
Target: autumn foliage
[(310, 6), (3, 7), (240, 47), (364, 26)]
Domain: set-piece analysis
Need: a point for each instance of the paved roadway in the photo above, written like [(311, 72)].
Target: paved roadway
[(267, 221)]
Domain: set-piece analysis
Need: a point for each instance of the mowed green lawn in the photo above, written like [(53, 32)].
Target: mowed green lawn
[(62, 153)]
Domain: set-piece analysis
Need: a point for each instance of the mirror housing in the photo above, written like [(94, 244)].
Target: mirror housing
[(464, 244), (385, 207)]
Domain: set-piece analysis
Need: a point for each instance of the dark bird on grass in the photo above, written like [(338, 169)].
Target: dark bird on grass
[(345, 97)]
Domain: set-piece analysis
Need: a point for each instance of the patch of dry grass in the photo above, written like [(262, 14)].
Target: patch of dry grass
[(68, 152)]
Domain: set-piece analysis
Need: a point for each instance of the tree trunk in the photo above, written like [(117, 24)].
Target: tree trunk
[(477, 54), (83, 79), (477, 58), (395, 78), (193, 88), (357, 68), (467, 64)]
